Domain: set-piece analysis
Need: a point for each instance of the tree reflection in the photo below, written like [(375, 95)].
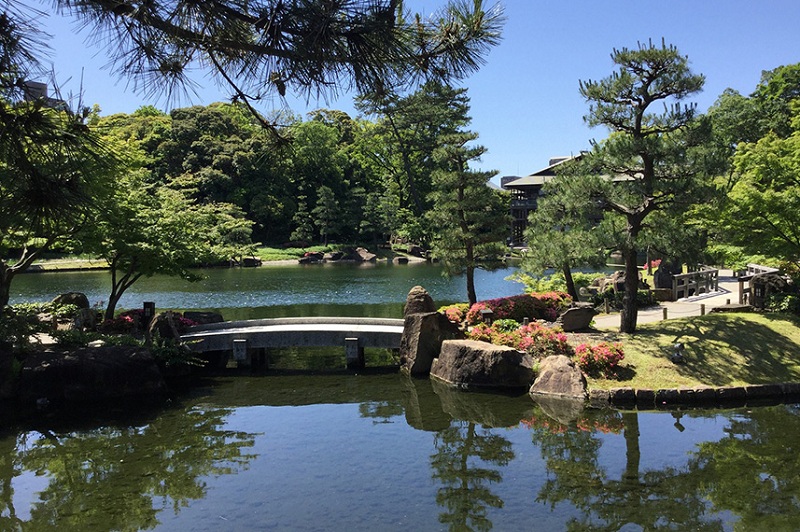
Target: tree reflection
[(654, 499), (120, 477), (462, 451), (755, 470)]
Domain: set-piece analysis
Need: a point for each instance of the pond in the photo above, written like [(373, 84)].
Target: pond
[(373, 289), (377, 450), (384, 452)]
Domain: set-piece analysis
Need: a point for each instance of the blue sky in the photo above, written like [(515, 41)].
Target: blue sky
[(525, 101)]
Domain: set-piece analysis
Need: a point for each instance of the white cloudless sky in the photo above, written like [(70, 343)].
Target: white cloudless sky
[(525, 103)]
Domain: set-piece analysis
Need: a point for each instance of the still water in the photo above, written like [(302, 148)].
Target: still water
[(377, 290), (377, 450), (383, 452)]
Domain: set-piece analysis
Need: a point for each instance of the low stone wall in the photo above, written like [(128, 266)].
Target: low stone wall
[(700, 396)]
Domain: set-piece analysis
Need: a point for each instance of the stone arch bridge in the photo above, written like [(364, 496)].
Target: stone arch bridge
[(244, 338)]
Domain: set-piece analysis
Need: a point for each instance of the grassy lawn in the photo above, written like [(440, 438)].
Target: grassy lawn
[(720, 350)]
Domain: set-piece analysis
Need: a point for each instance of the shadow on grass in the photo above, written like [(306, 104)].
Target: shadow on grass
[(725, 348)]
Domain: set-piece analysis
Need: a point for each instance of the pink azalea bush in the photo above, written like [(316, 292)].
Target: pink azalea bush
[(599, 360), (534, 306), (534, 338), (456, 312)]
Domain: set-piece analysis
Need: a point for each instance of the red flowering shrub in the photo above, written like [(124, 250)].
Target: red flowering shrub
[(456, 312), (123, 323), (534, 339), (534, 306), (599, 360)]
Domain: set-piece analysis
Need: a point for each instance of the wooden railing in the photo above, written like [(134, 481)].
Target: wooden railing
[(701, 281), (745, 295)]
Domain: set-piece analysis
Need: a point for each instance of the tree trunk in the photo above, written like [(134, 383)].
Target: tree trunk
[(6, 275), (471, 296), (630, 311), (570, 281), (113, 299), (470, 270)]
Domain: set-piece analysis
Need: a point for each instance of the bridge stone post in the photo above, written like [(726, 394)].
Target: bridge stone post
[(240, 352), (354, 353)]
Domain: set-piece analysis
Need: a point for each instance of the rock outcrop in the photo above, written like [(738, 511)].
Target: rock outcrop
[(418, 301), (577, 317), (470, 363), (72, 298), (559, 376), (423, 334)]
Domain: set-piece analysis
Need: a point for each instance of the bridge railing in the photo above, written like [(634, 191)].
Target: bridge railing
[(702, 281), (745, 295), (242, 324)]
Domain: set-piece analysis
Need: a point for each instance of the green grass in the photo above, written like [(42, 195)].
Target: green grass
[(720, 350), (271, 254)]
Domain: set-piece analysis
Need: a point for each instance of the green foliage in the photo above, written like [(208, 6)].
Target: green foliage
[(762, 208), (784, 303), (17, 329), (505, 325), (20, 322), (76, 338), (644, 299), (555, 282), (171, 354)]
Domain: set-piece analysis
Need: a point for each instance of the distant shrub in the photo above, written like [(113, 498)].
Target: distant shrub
[(599, 360), (644, 298)]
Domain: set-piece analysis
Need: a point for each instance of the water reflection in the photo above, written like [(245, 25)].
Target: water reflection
[(462, 464), (116, 477), (404, 454)]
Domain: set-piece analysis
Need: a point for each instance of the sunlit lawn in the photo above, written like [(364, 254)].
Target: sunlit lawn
[(720, 350)]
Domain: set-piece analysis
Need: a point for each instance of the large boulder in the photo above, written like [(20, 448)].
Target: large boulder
[(311, 257), (418, 301), (165, 325), (662, 277), (91, 374), (470, 363), (72, 298), (577, 317), (559, 376), (421, 342), (365, 255)]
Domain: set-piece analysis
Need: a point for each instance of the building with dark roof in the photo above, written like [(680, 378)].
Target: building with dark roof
[(525, 192)]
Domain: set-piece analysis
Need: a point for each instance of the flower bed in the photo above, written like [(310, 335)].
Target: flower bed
[(534, 306), (534, 338)]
